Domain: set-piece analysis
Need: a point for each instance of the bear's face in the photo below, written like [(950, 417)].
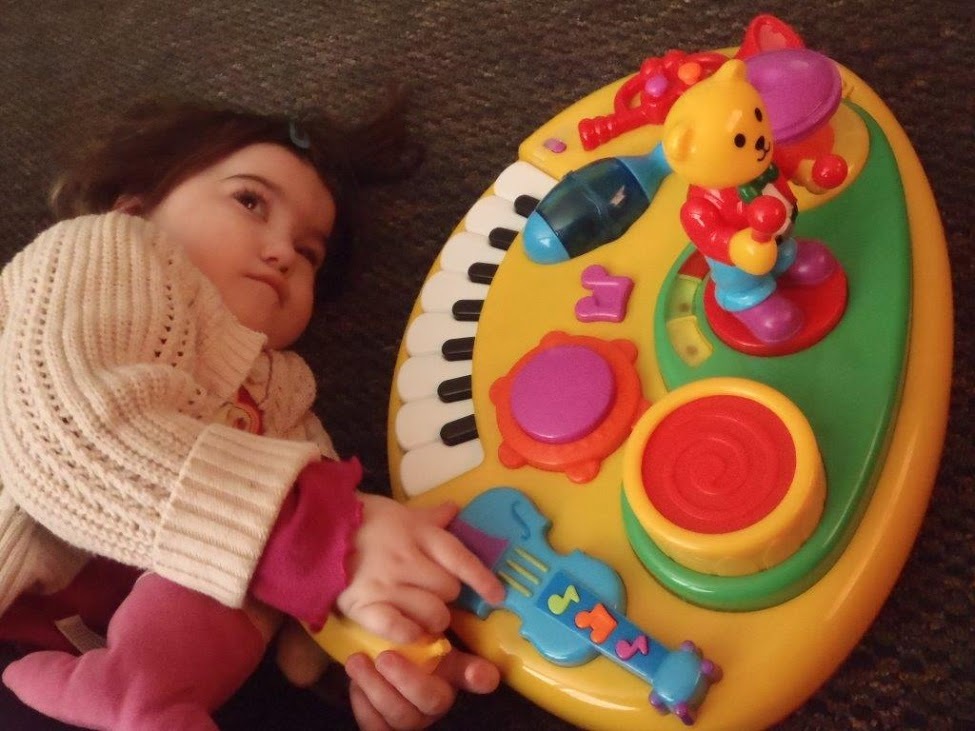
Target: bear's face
[(717, 135)]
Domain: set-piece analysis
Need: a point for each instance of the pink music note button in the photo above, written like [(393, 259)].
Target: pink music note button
[(625, 650), (610, 295)]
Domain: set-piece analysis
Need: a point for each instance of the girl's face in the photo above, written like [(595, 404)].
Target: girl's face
[(256, 224)]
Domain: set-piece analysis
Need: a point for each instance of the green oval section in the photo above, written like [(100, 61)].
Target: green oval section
[(847, 385)]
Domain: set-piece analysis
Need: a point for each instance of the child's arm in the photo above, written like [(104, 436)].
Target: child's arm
[(406, 567), (109, 351), (397, 581), (304, 564)]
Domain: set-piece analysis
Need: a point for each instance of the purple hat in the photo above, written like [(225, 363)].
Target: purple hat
[(801, 90)]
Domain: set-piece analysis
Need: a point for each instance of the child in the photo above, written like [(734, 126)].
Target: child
[(151, 417)]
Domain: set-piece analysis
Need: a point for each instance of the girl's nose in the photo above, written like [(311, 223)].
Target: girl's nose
[(279, 252)]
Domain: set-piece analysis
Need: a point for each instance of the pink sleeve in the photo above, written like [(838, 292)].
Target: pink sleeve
[(302, 569)]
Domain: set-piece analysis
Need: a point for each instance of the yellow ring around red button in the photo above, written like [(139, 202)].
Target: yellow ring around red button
[(766, 472)]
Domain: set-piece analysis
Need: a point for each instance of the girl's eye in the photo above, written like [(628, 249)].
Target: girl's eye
[(252, 201)]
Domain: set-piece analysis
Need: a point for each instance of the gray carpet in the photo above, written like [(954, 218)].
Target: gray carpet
[(485, 75)]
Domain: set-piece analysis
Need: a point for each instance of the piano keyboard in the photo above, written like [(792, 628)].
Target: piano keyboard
[(435, 426)]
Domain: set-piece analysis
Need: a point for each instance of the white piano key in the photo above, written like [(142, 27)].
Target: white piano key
[(522, 178), (433, 464), (419, 422), (428, 332), (419, 377), (443, 289), (466, 248), (491, 212)]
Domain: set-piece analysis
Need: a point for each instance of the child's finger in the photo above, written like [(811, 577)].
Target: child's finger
[(393, 686), (387, 621), (366, 716), (375, 702), (423, 607), (424, 573), (456, 558), (469, 672), (429, 694)]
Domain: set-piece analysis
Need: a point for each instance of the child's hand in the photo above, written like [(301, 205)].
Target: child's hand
[(394, 693), (406, 568)]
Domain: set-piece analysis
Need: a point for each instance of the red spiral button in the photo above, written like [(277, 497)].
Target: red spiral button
[(718, 464), (724, 476)]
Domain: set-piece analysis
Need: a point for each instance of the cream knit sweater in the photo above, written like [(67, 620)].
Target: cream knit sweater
[(117, 358)]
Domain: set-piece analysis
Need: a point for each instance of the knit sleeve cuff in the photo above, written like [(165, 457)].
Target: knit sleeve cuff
[(221, 512)]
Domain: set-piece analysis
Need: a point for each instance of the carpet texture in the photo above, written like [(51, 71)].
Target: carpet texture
[(483, 76)]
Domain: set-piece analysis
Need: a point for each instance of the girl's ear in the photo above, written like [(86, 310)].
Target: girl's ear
[(131, 204)]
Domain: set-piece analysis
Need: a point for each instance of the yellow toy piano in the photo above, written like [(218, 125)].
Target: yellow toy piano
[(685, 368)]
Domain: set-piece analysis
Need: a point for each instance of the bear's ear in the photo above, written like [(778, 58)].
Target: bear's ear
[(677, 142), (732, 70)]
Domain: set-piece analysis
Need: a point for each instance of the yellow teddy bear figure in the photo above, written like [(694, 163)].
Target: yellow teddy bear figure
[(740, 210)]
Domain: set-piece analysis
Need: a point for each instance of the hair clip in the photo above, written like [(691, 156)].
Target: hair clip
[(299, 136)]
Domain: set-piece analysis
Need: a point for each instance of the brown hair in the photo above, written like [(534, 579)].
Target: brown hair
[(155, 146)]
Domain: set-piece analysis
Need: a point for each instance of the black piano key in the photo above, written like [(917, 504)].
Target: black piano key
[(525, 204), (482, 273), (467, 310), (455, 389), (501, 238), (458, 349), (459, 431)]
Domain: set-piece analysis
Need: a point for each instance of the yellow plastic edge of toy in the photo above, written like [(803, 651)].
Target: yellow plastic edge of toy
[(766, 542), (776, 676), (340, 637)]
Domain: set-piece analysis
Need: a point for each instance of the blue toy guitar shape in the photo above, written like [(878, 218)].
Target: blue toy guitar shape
[(572, 606)]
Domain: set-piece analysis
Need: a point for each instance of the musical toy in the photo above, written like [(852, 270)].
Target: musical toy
[(685, 367)]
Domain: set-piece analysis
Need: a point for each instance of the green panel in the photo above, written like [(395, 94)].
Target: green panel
[(847, 385)]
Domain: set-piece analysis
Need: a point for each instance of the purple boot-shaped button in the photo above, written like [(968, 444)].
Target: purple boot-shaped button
[(773, 320), (814, 263)]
